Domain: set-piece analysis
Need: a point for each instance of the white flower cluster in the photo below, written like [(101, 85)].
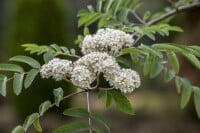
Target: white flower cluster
[(82, 76), (126, 80), (97, 61), (87, 67), (57, 69), (97, 50), (92, 64), (106, 40)]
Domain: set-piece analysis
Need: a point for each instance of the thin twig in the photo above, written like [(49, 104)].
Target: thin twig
[(70, 95), (173, 12), (138, 18), (105, 89), (89, 110), (10, 79), (137, 40)]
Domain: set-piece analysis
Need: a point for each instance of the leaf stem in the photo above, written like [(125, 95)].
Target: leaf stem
[(138, 18), (71, 95), (89, 109)]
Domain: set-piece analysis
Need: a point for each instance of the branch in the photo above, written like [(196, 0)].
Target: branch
[(138, 18), (173, 12), (89, 110), (70, 95)]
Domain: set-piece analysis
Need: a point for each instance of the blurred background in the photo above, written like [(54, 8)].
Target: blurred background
[(54, 21)]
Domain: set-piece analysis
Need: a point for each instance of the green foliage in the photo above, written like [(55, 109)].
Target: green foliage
[(11, 67), (18, 83), (83, 113), (31, 75), (30, 120), (3, 80), (18, 129), (77, 112), (73, 127), (173, 61), (169, 75), (122, 103), (197, 99), (44, 107), (37, 125), (20, 77), (186, 92), (58, 95), (25, 59), (54, 49)]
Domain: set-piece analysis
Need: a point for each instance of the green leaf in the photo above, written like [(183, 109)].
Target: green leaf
[(18, 129), (173, 61), (99, 5), (102, 21), (73, 127), (123, 15), (186, 93), (58, 95), (31, 75), (77, 112), (151, 50), (156, 67), (146, 16), (56, 47), (88, 19), (135, 57), (30, 120), (193, 59), (101, 93), (197, 100), (82, 12), (122, 103), (25, 59), (116, 6), (175, 28), (146, 67), (44, 107), (18, 83), (34, 48), (149, 34), (47, 57), (73, 51), (37, 125), (97, 130), (101, 120), (65, 50), (107, 5), (123, 61), (86, 31), (170, 47), (3, 80), (179, 84), (11, 67), (169, 75)]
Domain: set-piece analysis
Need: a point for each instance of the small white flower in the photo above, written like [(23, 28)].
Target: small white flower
[(57, 69), (82, 77), (106, 40), (97, 62), (126, 80)]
